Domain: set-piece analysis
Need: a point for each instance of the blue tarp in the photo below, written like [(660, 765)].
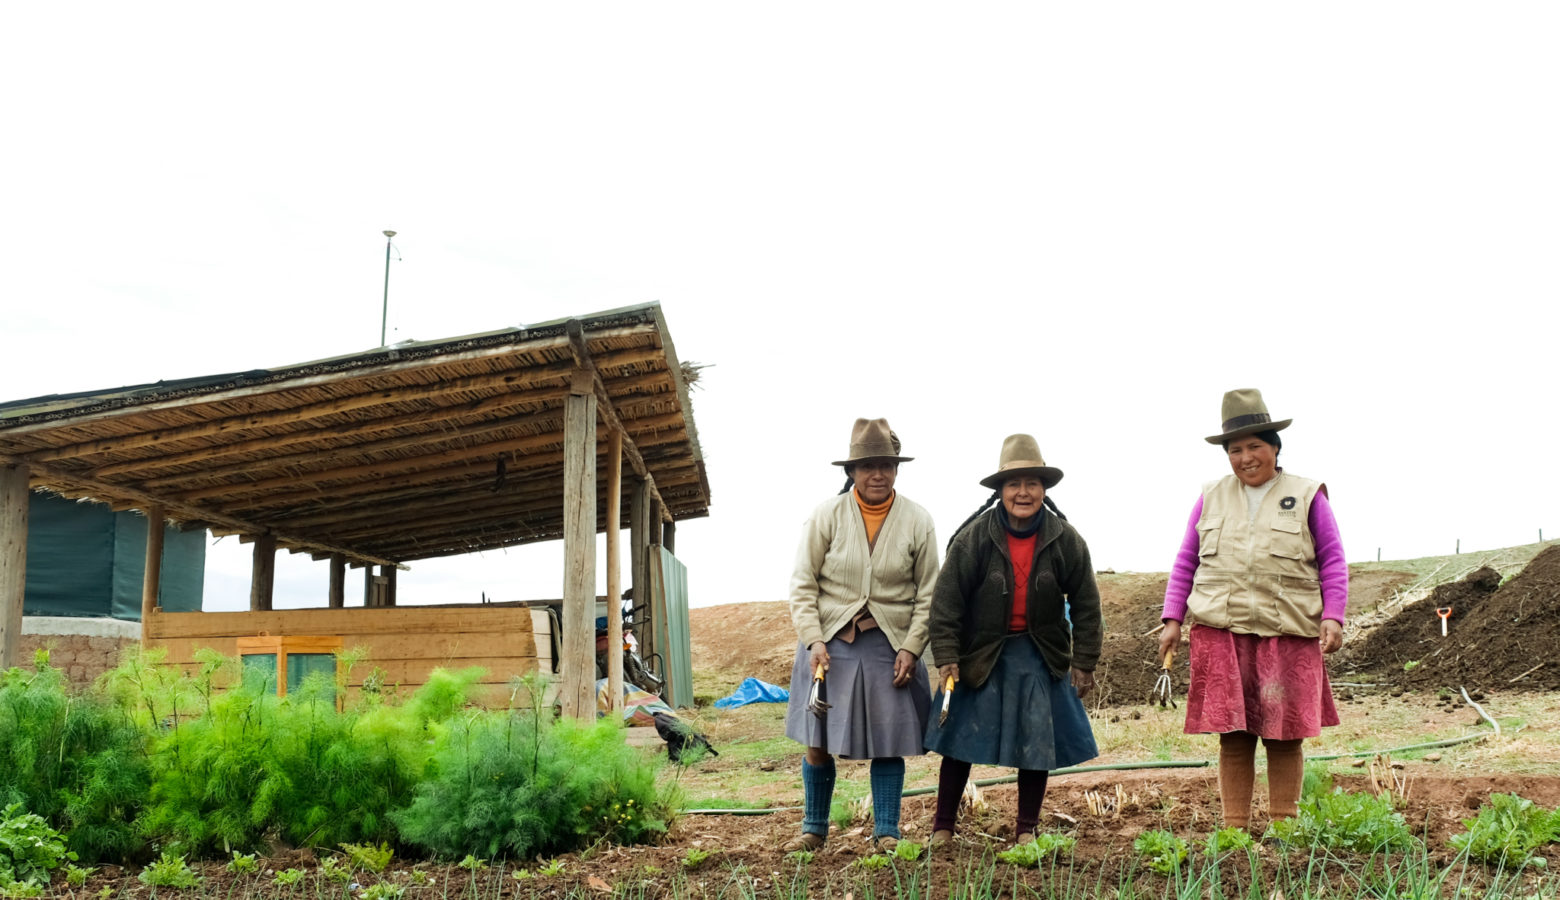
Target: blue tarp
[(751, 690)]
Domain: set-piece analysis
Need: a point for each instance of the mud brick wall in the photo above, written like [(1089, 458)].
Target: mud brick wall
[(82, 648)]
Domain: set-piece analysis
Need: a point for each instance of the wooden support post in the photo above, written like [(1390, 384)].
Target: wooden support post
[(614, 575), (262, 577), (338, 581), (639, 562), (578, 695), (669, 537), (389, 573), (151, 579), (655, 521), (13, 561), (368, 586)]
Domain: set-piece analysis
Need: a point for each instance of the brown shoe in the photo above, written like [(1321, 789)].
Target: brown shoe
[(941, 838), (805, 841), (885, 843)]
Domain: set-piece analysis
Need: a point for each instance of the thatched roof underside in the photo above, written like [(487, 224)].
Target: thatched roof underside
[(420, 450)]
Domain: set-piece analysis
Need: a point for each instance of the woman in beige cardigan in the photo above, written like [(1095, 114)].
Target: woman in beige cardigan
[(860, 596)]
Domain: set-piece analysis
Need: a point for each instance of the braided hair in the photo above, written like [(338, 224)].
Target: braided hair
[(996, 497)]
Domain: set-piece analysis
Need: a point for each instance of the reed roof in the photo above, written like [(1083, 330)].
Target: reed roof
[(423, 449)]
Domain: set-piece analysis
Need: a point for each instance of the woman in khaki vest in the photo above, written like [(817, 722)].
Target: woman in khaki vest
[(1262, 574)]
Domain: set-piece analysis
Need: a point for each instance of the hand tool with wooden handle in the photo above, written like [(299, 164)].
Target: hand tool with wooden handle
[(815, 705), (942, 717)]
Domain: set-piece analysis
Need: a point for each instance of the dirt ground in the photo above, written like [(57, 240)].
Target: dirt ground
[(1499, 636), (746, 848)]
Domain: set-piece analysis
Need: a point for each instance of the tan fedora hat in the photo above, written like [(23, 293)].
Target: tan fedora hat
[(1244, 413), (1020, 456), (872, 439)]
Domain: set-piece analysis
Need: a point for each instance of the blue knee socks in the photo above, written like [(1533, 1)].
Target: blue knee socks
[(888, 786), (817, 793)]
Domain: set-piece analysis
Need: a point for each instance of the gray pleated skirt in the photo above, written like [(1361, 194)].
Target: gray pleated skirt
[(870, 717), (1023, 716)]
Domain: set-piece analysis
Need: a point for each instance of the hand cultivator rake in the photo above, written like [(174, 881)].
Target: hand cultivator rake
[(814, 705), (1163, 687)]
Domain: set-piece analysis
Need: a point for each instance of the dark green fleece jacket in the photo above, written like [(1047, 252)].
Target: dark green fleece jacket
[(973, 600)]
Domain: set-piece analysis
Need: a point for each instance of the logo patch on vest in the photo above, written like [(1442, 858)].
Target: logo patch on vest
[(1287, 503)]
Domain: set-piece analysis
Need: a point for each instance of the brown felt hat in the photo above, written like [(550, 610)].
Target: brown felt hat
[(1244, 413), (1021, 456), (872, 439)]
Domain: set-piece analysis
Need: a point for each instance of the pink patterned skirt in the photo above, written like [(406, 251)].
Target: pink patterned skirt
[(1273, 687)]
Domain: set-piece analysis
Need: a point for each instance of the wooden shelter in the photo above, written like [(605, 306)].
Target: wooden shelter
[(420, 450)]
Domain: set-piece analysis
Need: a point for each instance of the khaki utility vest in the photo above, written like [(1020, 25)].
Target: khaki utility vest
[(1258, 576)]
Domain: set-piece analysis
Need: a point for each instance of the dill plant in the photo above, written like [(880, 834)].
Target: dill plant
[(520, 784), (253, 763), (74, 759)]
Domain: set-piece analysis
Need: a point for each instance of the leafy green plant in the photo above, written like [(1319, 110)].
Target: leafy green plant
[(800, 857), (253, 763), (551, 870), (907, 851), (1342, 820), (169, 870), (521, 784), (1029, 854), (1506, 831), (695, 857), (472, 863), (288, 877), (1226, 840), (243, 863), (29, 848), (874, 862), (1161, 851), (421, 876), (76, 876), (368, 857), (77, 760), (337, 869), (1410, 665), (522, 874), (383, 891)]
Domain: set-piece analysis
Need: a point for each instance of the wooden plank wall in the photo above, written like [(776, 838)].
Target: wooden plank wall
[(406, 643)]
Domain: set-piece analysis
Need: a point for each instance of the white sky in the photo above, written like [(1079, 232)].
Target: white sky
[(1085, 222)]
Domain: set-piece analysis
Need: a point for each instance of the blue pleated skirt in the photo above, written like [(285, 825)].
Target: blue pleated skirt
[(870, 718), (1022, 717)]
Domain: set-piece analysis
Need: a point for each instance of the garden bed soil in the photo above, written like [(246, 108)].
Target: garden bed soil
[(745, 859)]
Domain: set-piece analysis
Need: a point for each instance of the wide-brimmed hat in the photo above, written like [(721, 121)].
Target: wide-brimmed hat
[(1021, 456), (1244, 413), (872, 439)]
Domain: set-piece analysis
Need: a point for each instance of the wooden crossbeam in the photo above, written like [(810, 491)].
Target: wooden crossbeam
[(55, 478)]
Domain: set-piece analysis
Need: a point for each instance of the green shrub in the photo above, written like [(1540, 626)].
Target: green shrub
[(519, 784), (1161, 851), (169, 870), (1506, 832), (29, 848), (253, 763), (1345, 821), (76, 760)]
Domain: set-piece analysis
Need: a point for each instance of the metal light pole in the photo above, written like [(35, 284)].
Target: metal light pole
[(384, 312)]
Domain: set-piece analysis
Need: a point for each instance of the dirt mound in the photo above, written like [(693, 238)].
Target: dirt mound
[(1495, 634), (736, 640)]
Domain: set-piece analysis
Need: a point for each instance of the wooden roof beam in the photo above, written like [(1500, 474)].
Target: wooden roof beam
[(391, 473), (608, 415), (48, 476)]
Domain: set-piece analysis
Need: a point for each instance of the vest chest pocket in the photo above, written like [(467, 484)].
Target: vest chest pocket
[(1208, 535), (1285, 539)]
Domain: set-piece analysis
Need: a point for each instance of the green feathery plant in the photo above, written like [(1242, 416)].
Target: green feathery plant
[(520, 784), (74, 759)]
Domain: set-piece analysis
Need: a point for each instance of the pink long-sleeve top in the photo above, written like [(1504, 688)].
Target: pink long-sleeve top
[(1329, 558)]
